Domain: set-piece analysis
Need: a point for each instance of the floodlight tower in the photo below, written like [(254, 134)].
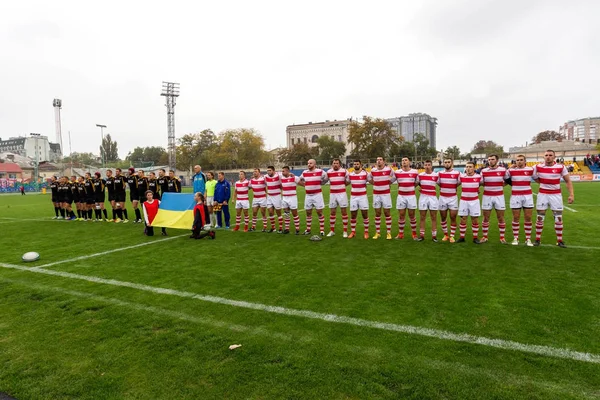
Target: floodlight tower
[(57, 103), (171, 91)]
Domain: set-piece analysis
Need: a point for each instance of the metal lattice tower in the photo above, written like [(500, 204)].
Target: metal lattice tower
[(171, 91), (57, 103)]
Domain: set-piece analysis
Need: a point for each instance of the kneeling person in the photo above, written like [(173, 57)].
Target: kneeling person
[(200, 219)]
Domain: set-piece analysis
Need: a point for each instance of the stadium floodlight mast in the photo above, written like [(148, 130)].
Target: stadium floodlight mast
[(171, 91), (102, 142)]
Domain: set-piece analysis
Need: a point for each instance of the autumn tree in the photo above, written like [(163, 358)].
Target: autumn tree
[(239, 147), (300, 152), (330, 148), (452, 152), (373, 137), (487, 147), (109, 149), (155, 154), (547, 136)]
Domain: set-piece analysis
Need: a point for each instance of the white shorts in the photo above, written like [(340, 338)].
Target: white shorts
[(554, 201), (245, 204), (427, 202), (521, 201), (359, 202), (210, 200), (274, 202), (493, 203), (259, 202), (314, 201), (338, 200), (469, 208), (382, 200), (290, 202), (448, 203), (403, 202)]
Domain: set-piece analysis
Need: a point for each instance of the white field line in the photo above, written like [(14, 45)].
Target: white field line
[(408, 329), (574, 247), (9, 221), (565, 207), (109, 251)]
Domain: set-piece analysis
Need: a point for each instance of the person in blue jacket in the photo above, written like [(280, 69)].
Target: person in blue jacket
[(221, 200), (199, 180)]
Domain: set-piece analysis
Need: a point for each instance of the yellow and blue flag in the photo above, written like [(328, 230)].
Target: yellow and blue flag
[(176, 210)]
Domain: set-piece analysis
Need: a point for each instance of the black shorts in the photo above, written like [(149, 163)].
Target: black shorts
[(120, 197), (112, 197), (55, 199), (90, 200), (99, 198), (134, 196), (67, 200)]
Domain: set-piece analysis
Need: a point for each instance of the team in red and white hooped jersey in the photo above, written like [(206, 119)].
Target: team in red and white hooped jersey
[(548, 175), (289, 199), (493, 197), (358, 179), (428, 200), (448, 183), (313, 179), (259, 199), (241, 201), (273, 183), (469, 202), (337, 196), (406, 178), (381, 177), (519, 177)]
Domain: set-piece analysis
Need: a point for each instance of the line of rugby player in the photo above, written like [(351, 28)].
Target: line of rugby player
[(89, 194), (274, 192)]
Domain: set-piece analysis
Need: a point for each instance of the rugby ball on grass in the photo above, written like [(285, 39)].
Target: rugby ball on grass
[(30, 256)]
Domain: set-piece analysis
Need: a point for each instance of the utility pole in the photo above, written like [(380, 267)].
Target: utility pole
[(102, 151), (171, 91)]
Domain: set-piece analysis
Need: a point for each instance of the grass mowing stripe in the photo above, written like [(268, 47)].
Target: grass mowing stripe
[(109, 251), (413, 330)]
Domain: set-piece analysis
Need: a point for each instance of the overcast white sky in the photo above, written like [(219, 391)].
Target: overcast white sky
[(498, 70)]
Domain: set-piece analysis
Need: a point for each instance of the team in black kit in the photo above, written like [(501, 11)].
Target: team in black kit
[(89, 194)]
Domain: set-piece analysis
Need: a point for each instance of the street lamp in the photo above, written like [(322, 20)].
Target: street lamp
[(102, 142), (36, 136)]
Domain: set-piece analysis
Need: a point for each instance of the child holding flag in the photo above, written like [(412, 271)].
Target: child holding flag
[(150, 207)]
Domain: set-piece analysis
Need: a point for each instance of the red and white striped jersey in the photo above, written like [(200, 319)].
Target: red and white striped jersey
[(428, 183), (521, 180), (470, 186), (337, 180), (549, 176), (241, 189), (289, 184), (406, 181), (448, 182), (273, 184), (259, 187), (313, 180), (382, 178), (493, 181), (358, 182)]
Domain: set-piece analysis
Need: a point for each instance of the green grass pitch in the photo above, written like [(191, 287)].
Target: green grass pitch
[(102, 327)]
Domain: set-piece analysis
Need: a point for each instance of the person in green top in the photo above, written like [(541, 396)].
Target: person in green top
[(210, 195)]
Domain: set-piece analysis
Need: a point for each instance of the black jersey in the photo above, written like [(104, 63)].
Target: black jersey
[(99, 185), (109, 184), (132, 181), (153, 185), (80, 190), (54, 188), (163, 183), (142, 185), (73, 188), (119, 181), (89, 187), (174, 185), (64, 192)]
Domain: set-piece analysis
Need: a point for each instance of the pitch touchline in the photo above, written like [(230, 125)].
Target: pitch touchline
[(565, 207), (109, 251), (414, 330)]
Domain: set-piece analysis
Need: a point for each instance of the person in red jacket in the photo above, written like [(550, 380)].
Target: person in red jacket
[(150, 207), (201, 219)]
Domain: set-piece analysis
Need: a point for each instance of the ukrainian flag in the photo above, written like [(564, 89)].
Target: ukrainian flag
[(176, 210)]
